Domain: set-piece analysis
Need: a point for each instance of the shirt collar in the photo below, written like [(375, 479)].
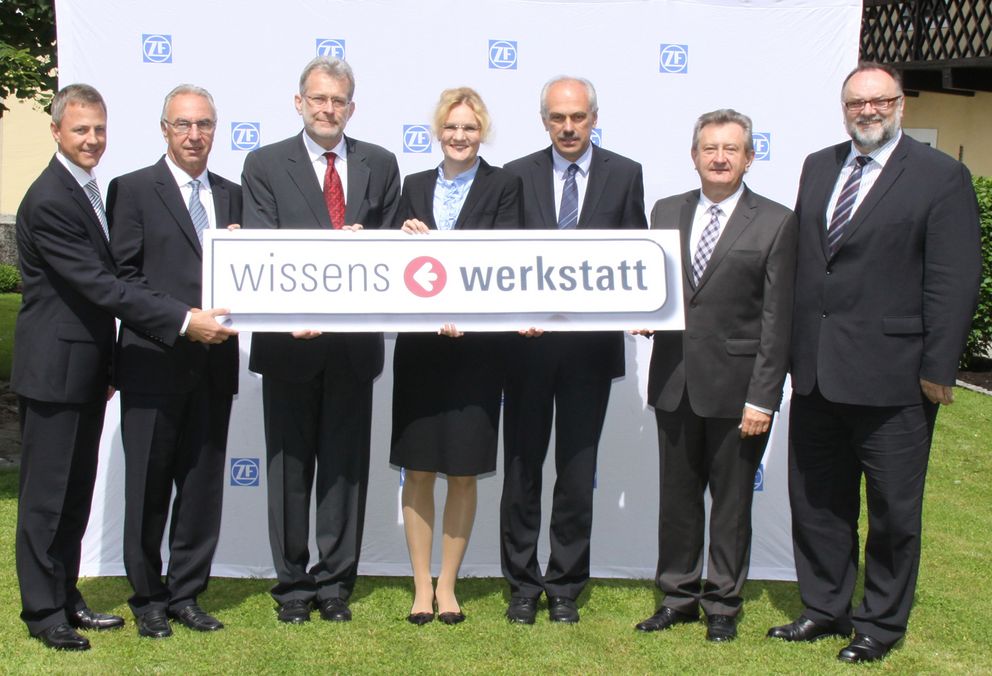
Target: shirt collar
[(81, 175), (316, 152), (462, 178), (182, 178), (728, 205), (561, 164), (880, 154)]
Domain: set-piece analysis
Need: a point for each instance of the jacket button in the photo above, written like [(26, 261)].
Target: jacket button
[(824, 315)]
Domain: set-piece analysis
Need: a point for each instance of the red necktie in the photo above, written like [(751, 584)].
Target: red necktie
[(333, 193)]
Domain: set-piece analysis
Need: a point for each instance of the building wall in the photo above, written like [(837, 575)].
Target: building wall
[(25, 147), (963, 124)]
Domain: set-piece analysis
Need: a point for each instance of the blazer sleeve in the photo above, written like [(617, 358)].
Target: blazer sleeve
[(126, 233), (634, 214), (259, 209), (510, 207)]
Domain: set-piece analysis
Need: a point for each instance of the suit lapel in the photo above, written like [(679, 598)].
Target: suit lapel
[(222, 202), (823, 190), (358, 182), (172, 198), (475, 193), (599, 176), (300, 171), (544, 188), (79, 196), (738, 223), (686, 215)]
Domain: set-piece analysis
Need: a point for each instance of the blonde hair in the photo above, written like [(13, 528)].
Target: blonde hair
[(461, 96)]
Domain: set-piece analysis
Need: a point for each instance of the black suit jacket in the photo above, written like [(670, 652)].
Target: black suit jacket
[(614, 198), (735, 347), (282, 191), (154, 243), (894, 303), (65, 329), (493, 201)]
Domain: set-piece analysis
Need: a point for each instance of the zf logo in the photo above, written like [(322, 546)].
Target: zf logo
[(332, 47), (245, 135), (425, 276), (416, 138), (503, 54), (244, 471), (596, 136), (156, 48), (759, 479), (674, 59), (762, 141)]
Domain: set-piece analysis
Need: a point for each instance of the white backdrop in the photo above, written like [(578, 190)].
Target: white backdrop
[(657, 64)]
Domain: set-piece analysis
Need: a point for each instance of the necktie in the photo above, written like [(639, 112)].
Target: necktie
[(196, 211), (568, 213), (93, 193), (333, 193), (845, 204), (707, 242)]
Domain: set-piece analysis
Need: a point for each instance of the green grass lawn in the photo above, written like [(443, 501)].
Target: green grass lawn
[(950, 631), (10, 303)]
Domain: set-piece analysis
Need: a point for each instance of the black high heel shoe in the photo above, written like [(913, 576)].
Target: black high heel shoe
[(451, 618), (420, 619)]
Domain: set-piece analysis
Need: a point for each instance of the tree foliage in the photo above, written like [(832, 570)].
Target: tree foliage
[(980, 338), (27, 51)]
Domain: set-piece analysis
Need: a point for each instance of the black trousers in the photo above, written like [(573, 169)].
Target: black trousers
[(831, 447), (59, 449), (576, 401), (321, 426), (697, 453), (171, 440)]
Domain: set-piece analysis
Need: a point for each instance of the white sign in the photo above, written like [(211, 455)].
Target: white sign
[(492, 280)]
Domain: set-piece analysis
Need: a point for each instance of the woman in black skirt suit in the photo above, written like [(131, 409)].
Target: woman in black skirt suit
[(447, 387)]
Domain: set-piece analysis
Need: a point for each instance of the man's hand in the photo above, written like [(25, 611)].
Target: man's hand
[(234, 226), (450, 331), (306, 334), (754, 422), (415, 226), (531, 333), (204, 328), (938, 394), (354, 227), (647, 333)]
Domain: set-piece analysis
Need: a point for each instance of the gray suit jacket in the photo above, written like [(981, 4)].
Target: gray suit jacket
[(735, 346)]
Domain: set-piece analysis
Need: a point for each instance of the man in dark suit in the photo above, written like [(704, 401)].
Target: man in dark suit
[(62, 358), (317, 388), (175, 400), (572, 184), (715, 386), (886, 284)]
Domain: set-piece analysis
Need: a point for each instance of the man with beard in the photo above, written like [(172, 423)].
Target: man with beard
[(886, 283)]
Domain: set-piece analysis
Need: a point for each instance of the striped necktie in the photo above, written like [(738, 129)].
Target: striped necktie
[(196, 211), (568, 212), (844, 208), (707, 242), (93, 193)]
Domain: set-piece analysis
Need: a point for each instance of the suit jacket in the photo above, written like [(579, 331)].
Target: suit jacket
[(154, 243), (282, 191), (614, 198), (894, 303), (493, 201), (65, 329), (735, 347)]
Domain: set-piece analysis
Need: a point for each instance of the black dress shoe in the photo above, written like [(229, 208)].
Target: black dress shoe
[(63, 637), (721, 628), (863, 648), (335, 610), (195, 618), (420, 619), (666, 618), (153, 624), (521, 610), (561, 609), (294, 612), (805, 629), (451, 618), (84, 618)]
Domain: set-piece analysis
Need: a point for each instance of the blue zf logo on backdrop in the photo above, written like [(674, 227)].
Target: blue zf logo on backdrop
[(674, 59), (762, 141), (596, 136), (156, 48), (503, 54), (245, 135), (759, 479), (244, 471), (332, 47), (416, 138)]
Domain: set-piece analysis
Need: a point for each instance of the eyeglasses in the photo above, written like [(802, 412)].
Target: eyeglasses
[(881, 104), (185, 126), (322, 101), (469, 129)]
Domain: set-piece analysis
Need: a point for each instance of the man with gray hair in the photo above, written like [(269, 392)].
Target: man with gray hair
[(63, 347), (563, 377), (716, 385), (317, 388), (175, 400)]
